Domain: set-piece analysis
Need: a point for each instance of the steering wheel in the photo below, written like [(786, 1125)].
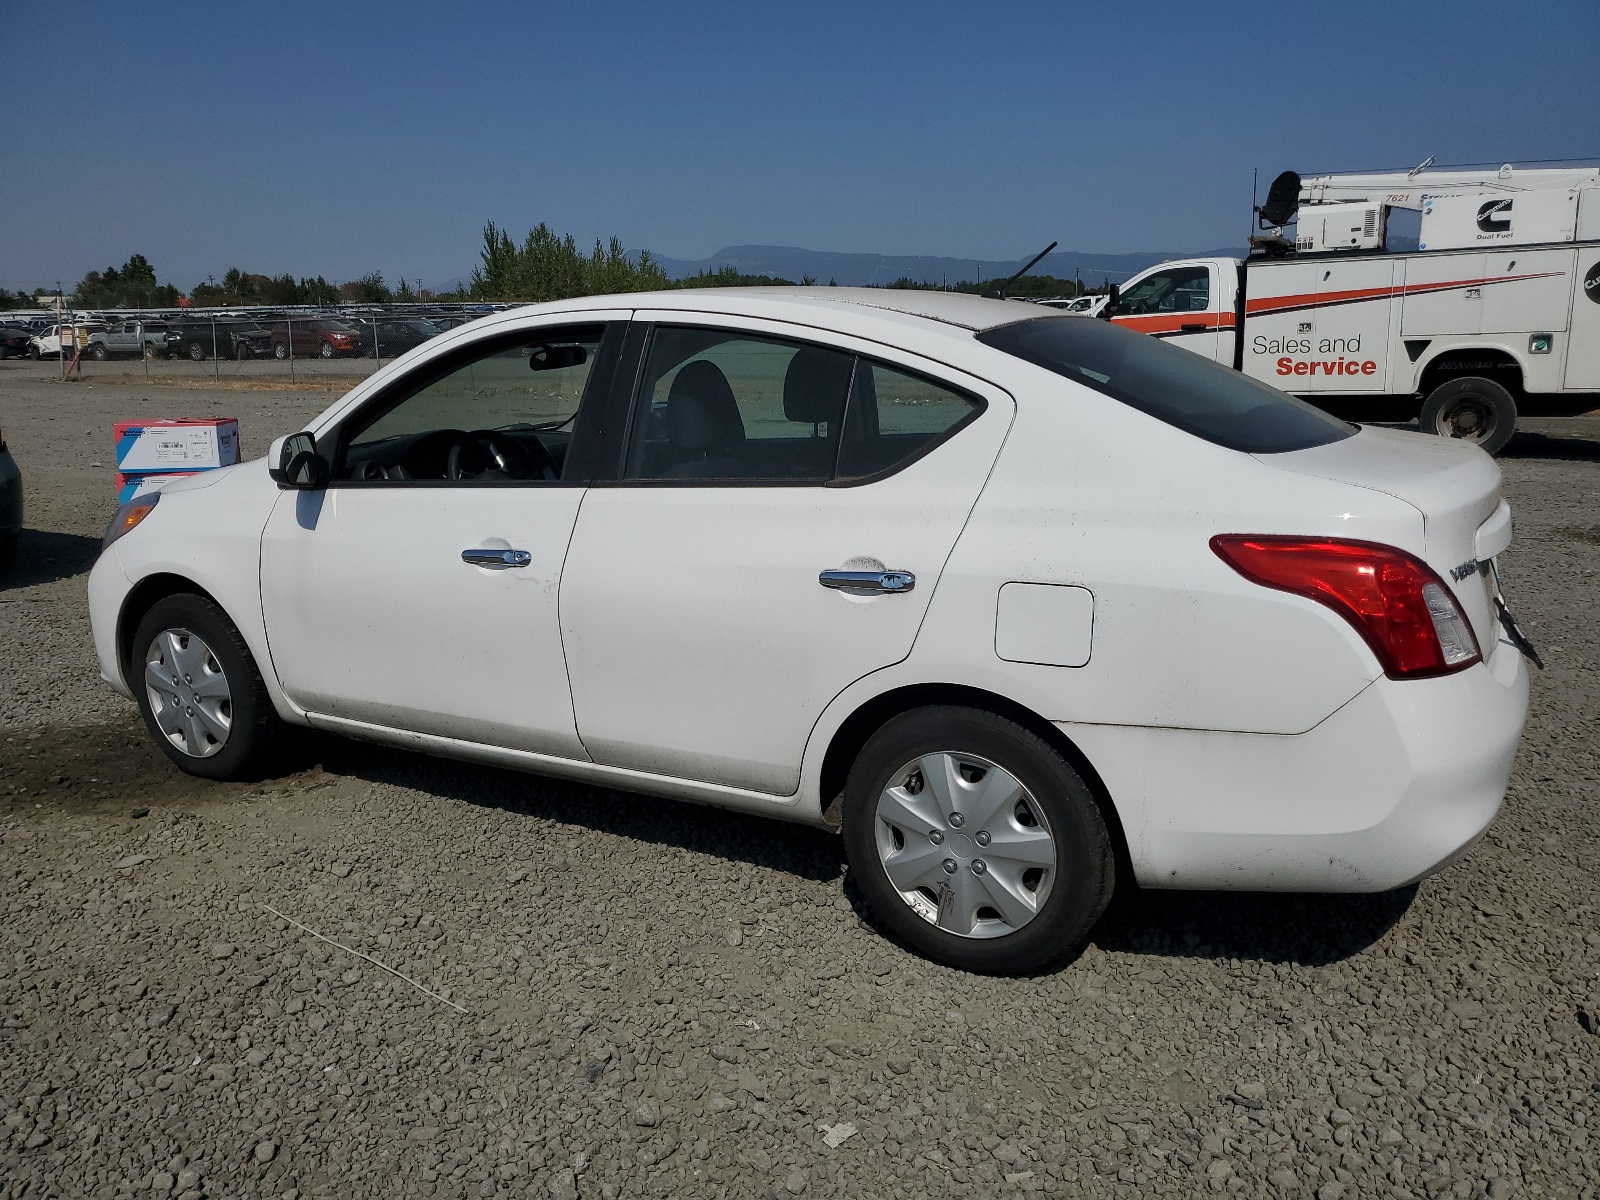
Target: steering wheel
[(494, 454)]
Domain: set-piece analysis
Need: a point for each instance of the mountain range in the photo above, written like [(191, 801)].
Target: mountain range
[(857, 270)]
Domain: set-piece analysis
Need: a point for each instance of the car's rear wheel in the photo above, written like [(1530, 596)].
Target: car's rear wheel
[(975, 842), (280, 350), (1473, 409), (326, 350), (201, 694)]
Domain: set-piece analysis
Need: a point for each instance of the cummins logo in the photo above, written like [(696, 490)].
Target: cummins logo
[(1495, 216), (1591, 283)]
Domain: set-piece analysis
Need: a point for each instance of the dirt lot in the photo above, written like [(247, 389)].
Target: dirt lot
[(668, 1000)]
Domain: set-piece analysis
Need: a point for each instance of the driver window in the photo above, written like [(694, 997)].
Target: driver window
[(505, 415), (1182, 289)]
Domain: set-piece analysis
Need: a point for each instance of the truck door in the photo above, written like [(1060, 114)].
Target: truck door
[(1443, 295), (1583, 344), (1527, 291), (1350, 336), (1181, 304), (1280, 313)]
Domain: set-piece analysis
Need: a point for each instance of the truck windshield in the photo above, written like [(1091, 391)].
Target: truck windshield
[(1173, 385)]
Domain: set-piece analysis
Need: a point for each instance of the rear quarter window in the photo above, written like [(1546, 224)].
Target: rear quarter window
[(1177, 386)]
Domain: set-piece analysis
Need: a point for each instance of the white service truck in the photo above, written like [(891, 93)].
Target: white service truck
[(1495, 313)]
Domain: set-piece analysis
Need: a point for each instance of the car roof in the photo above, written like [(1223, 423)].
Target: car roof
[(949, 308), (879, 314)]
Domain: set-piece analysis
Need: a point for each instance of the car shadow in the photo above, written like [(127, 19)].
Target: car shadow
[(46, 557), (1527, 444), (798, 850), (1303, 929), (1308, 929)]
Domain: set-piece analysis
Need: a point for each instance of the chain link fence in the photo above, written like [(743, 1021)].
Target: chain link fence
[(290, 345)]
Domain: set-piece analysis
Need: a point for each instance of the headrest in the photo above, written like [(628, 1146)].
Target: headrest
[(814, 386), (701, 411)]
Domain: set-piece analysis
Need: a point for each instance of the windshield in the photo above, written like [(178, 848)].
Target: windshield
[(1176, 386)]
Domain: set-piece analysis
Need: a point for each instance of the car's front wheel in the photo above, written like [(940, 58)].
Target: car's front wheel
[(975, 842), (201, 694), (197, 352), (280, 350), (326, 350)]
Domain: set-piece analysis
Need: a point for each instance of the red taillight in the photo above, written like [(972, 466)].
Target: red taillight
[(1403, 610)]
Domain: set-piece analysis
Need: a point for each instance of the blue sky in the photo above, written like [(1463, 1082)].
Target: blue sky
[(341, 139)]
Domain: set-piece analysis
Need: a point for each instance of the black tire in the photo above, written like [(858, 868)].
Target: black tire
[(33, 353), (1473, 409), (256, 734), (241, 350), (196, 351), (98, 352), (326, 350), (1084, 872)]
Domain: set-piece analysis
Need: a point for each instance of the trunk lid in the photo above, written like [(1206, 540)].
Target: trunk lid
[(1455, 486)]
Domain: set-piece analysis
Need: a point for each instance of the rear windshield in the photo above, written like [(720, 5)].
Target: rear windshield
[(1176, 386)]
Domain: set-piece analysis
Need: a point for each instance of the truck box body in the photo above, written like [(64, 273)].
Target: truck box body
[(1497, 310), (1372, 324)]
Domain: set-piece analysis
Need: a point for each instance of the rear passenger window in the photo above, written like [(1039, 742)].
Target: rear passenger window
[(894, 417), (720, 405)]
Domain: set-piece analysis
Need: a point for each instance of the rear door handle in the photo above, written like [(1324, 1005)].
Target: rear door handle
[(881, 582), (497, 560)]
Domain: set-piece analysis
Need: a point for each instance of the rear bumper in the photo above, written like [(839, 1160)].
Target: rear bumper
[(1392, 787)]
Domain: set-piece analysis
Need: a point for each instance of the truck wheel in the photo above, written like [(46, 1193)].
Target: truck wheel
[(242, 351), (280, 350), (1473, 409), (197, 352), (98, 352)]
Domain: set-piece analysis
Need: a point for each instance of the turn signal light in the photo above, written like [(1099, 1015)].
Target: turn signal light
[(1396, 602), (129, 515)]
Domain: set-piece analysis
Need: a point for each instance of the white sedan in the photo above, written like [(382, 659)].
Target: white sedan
[(1017, 602)]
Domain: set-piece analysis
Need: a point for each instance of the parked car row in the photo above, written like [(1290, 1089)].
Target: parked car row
[(315, 336), (199, 337)]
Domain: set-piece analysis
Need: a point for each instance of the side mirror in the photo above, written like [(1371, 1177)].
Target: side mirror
[(1110, 309), (299, 465)]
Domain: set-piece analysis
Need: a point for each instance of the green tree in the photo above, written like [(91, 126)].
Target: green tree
[(369, 289), (133, 286), (547, 266), (728, 275)]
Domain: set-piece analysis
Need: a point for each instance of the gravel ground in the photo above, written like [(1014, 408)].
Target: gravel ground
[(669, 1000)]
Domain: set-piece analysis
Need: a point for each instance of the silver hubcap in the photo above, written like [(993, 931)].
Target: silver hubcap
[(965, 845), (1469, 419), (188, 693)]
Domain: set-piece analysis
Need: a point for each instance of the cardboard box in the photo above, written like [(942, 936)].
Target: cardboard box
[(183, 444), (130, 486)]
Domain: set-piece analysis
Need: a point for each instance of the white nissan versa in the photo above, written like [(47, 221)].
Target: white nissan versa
[(1007, 597)]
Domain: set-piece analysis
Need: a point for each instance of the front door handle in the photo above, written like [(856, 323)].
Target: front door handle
[(1193, 328), (497, 560), (889, 583)]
